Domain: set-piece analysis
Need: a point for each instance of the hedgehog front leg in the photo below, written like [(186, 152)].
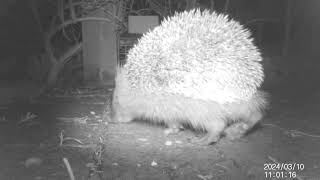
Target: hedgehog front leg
[(237, 130), (121, 114), (122, 117)]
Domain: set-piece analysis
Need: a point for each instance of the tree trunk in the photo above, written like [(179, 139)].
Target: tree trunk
[(53, 74), (58, 65)]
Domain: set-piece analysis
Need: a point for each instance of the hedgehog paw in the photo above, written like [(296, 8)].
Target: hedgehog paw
[(207, 139), (169, 131), (214, 131), (236, 131), (172, 129)]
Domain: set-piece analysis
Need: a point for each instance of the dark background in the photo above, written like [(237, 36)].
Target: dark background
[(20, 38)]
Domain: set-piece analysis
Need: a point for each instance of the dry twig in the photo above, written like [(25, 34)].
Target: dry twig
[(70, 172), (292, 132)]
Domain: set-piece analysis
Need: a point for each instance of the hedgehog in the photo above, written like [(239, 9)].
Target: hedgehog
[(198, 68)]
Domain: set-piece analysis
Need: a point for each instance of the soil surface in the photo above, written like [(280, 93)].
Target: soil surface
[(36, 135)]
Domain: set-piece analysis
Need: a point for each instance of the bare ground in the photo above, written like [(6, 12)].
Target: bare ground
[(73, 129)]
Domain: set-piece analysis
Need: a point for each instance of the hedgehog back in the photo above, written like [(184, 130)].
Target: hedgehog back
[(200, 55)]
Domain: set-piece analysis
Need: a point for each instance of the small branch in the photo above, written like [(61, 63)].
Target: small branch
[(121, 12), (212, 5), (49, 51), (73, 14), (56, 29), (47, 42), (226, 6), (70, 172), (292, 132), (131, 5), (60, 12), (66, 7), (66, 23), (263, 20), (114, 16), (70, 53)]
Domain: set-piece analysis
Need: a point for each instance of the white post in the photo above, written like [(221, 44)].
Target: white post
[(99, 50)]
